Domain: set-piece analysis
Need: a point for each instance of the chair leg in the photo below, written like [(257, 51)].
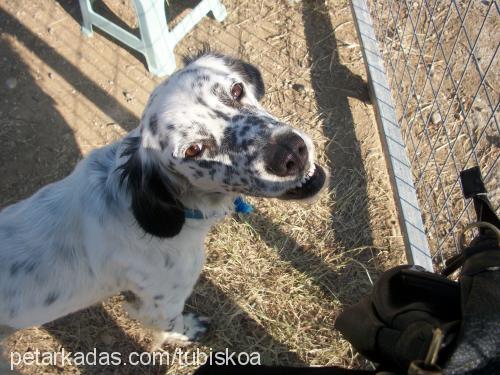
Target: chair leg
[(158, 44), (218, 10), (161, 65), (86, 8)]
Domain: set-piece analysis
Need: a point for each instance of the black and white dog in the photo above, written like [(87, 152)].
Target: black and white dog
[(133, 215)]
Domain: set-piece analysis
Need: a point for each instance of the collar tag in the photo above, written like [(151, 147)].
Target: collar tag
[(240, 206)]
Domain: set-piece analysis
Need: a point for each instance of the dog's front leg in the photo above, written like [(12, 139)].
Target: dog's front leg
[(164, 316)]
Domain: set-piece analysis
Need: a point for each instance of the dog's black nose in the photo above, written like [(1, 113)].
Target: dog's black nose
[(286, 155)]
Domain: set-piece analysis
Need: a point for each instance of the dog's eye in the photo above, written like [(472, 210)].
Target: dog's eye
[(194, 150), (237, 91)]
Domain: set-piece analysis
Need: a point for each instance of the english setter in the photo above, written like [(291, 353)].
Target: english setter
[(133, 215)]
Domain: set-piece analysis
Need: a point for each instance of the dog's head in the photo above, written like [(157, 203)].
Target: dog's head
[(204, 131)]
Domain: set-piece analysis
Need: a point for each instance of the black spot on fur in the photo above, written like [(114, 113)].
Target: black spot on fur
[(245, 144), (153, 124), (206, 164), (171, 324), (217, 89), (256, 121), (51, 298), (167, 261), (26, 266), (211, 146), (163, 144), (230, 140), (132, 299), (12, 312), (199, 174), (154, 205), (250, 159), (15, 267), (228, 171), (212, 173), (201, 130), (90, 270), (200, 100), (159, 297), (244, 130)]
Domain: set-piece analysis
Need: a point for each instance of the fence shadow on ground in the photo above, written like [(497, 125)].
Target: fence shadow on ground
[(332, 83)]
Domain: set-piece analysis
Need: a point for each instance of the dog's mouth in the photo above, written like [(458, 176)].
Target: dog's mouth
[(310, 185)]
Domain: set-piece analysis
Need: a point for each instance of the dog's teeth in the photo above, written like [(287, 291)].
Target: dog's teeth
[(310, 173), (306, 176), (312, 170)]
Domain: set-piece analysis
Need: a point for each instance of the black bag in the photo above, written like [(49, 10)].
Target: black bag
[(396, 325)]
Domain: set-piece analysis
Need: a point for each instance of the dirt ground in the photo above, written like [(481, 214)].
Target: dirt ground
[(274, 280)]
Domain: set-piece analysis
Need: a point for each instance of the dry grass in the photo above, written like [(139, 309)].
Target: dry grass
[(274, 280)]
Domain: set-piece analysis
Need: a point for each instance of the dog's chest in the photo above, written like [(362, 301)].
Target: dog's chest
[(187, 248), (175, 260)]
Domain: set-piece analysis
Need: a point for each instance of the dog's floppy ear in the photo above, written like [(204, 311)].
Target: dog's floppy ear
[(250, 74), (153, 204)]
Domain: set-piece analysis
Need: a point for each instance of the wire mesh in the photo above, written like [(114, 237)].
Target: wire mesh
[(442, 61)]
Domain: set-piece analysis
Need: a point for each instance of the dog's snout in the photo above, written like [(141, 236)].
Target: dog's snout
[(286, 156)]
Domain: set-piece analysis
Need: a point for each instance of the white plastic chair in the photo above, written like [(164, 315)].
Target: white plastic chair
[(156, 42)]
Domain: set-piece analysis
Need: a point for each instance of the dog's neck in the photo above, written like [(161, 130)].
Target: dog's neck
[(210, 205)]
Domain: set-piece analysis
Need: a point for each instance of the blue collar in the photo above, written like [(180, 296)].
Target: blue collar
[(240, 206)]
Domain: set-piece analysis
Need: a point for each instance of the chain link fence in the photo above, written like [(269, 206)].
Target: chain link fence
[(442, 68)]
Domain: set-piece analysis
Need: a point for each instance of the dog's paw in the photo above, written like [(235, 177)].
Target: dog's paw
[(195, 326), (162, 338)]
